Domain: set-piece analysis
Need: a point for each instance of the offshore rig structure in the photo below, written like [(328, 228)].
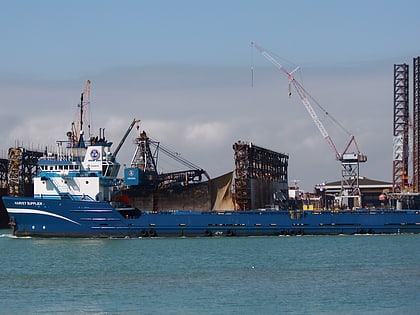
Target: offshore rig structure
[(406, 128)]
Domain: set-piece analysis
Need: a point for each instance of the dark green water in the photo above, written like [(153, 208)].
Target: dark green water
[(254, 275)]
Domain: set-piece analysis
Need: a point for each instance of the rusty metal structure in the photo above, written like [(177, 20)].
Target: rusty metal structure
[(260, 177), (401, 128), (21, 170), (416, 125), (16, 174), (3, 173)]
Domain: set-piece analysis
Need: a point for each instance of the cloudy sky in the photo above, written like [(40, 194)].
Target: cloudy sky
[(184, 68)]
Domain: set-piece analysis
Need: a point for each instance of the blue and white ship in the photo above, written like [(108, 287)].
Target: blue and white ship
[(74, 191)]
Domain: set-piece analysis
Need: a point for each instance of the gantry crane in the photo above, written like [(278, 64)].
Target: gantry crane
[(146, 160), (349, 160)]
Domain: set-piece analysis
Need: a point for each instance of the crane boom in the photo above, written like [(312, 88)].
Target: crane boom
[(135, 120), (301, 92), (350, 190)]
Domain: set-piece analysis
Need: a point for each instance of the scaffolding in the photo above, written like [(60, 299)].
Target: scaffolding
[(260, 176), (401, 125), (416, 125)]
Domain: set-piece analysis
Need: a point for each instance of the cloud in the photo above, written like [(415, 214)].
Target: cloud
[(200, 112), (208, 134)]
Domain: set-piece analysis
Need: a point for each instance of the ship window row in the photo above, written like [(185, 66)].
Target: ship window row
[(70, 167)]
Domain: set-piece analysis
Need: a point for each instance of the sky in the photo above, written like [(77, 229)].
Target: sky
[(184, 68)]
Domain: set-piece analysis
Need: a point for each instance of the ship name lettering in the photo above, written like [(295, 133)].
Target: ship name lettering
[(34, 203), (28, 203)]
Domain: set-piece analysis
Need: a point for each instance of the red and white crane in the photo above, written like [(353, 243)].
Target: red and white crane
[(349, 160)]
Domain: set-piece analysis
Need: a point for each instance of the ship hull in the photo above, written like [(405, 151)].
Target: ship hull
[(69, 218)]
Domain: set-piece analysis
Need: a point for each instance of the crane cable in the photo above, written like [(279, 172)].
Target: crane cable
[(290, 74), (326, 113)]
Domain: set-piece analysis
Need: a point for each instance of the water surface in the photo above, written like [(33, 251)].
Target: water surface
[(369, 274)]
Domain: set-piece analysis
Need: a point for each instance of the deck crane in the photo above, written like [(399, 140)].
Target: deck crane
[(349, 160), (133, 122)]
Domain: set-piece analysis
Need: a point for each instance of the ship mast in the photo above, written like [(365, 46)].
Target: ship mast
[(77, 128)]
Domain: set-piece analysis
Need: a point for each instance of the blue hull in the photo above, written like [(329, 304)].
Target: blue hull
[(70, 218)]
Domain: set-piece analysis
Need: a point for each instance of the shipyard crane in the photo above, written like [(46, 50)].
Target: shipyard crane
[(349, 160)]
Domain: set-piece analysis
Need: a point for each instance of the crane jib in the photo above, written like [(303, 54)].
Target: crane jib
[(303, 95)]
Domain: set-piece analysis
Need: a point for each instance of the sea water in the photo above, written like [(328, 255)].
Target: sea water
[(365, 274)]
